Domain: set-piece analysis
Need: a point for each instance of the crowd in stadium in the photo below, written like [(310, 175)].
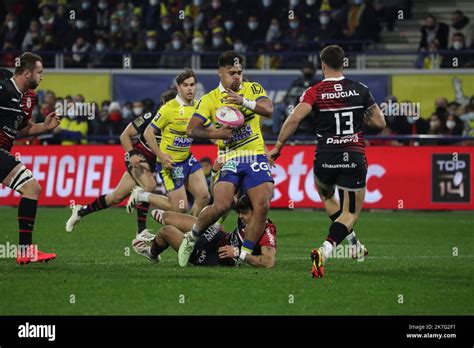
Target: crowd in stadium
[(162, 33)]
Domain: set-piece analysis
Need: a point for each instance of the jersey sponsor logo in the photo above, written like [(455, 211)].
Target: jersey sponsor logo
[(28, 102), (242, 133), (343, 140), (210, 233), (256, 167), (337, 95), (182, 142), (230, 166), (177, 173), (271, 239), (147, 115), (256, 88)]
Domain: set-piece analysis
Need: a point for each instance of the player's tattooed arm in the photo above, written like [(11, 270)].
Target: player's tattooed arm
[(289, 127), (266, 260), (196, 130), (51, 121), (126, 137), (374, 117)]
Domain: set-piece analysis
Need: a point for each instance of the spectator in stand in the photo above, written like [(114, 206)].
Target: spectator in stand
[(458, 57), (431, 59), (149, 52), (388, 10), (274, 32), (175, 56), (116, 34), (137, 108), (9, 54), (102, 16), (117, 123), (188, 30), (254, 35), (151, 10), (47, 19), (80, 50), (310, 13), (295, 39), (453, 126), (32, 36), (433, 30), (166, 29), (133, 31), (10, 31), (60, 22), (460, 24), (441, 108), (297, 88), (325, 30), (360, 22)]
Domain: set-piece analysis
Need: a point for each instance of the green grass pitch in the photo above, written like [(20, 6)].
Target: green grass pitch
[(410, 261)]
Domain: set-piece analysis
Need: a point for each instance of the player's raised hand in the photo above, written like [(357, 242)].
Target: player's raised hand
[(51, 121), (233, 98), (166, 160)]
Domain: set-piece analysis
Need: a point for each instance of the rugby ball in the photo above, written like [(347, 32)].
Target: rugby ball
[(230, 116)]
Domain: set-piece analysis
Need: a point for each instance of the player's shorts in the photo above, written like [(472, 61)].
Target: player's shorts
[(205, 251), (246, 175), (175, 177), (7, 163), (346, 170), (146, 156)]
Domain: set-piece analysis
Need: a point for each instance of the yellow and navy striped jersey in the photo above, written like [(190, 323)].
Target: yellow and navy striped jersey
[(171, 121), (246, 140)]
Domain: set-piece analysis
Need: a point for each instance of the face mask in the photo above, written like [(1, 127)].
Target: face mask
[(197, 48), (105, 108), (99, 46), (324, 20), (103, 5), (294, 25), (166, 26), (11, 24), (197, 2), (134, 24), (137, 111), (266, 3), (228, 25), (176, 44), (450, 124), (253, 25), (114, 28), (187, 26), (85, 5), (153, 2), (126, 112), (217, 41), (357, 2), (411, 120), (457, 45), (238, 47), (80, 24), (434, 124), (310, 2), (274, 28), (151, 44), (294, 3)]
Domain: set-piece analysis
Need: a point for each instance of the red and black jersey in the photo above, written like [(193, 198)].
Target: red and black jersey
[(15, 111), (140, 123), (339, 105), (237, 236)]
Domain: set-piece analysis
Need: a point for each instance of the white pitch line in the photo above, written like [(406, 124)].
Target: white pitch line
[(383, 257)]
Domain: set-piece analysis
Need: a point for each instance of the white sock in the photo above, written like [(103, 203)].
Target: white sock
[(351, 238), (143, 196), (326, 249)]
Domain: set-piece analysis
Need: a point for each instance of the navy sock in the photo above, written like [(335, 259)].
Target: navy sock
[(26, 219)]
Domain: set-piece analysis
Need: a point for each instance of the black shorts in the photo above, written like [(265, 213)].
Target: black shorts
[(206, 249), (7, 163), (145, 157), (346, 170)]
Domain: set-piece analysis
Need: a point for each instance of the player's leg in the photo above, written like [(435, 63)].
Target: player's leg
[(143, 176), (223, 198), (182, 222), (16, 176), (178, 200), (102, 202), (260, 197), (166, 236), (197, 185)]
